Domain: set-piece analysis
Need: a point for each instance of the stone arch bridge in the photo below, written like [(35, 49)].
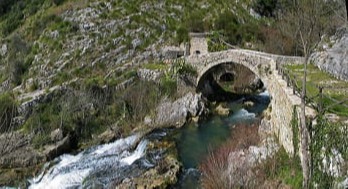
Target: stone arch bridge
[(262, 64), (283, 101)]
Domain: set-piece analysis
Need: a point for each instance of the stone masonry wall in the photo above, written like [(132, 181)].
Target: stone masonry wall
[(199, 44), (283, 101)]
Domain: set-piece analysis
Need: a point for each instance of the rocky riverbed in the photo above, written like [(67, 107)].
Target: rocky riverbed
[(18, 151)]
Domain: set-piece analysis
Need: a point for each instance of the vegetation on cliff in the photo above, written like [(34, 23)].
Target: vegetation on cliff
[(72, 65)]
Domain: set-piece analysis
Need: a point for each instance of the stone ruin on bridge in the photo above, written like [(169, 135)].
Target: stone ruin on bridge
[(198, 46)]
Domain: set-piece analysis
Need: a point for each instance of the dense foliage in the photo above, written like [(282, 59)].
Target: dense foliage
[(329, 141), (266, 7)]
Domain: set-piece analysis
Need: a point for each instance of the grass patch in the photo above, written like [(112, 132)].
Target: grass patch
[(283, 168), (8, 110), (156, 66), (168, 86), (331, 90)]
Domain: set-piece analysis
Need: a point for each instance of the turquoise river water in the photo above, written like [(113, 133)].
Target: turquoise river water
[(196, 140)]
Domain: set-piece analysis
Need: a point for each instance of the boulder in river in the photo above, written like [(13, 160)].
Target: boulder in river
[(176, 113), (222, 110)]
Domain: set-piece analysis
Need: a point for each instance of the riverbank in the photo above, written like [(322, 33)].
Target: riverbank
[(251, 158), (157, 164)]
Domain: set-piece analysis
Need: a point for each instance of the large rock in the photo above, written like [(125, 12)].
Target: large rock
[(176, 113), (149, 75), (57, 135), (62, 146), (15, 151), (163, 174), (3, 50), (222, 110), (333, 55)]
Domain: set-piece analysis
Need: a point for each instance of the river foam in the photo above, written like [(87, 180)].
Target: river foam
[(71, 171)]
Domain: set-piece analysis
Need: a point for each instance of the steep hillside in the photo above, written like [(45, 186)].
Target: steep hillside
[(71, 71), (93, 48), (74, 73), (59, 43)]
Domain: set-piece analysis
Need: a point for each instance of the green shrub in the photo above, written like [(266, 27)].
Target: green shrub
[(13, 13), (8, 110), (283, 168), (331, 137), (5, 6), (61, 77), (168, 86), (141, 99), (18, 65), (58, 2), (234, 31), (181, 67), (265, 7), (40, 140), (63, 26), (94, 82), (214, 45), (41, 23), (12, 22), (130, 74), (182, 35), (34, 86), (156, 66), (45, 118), (194, 21)]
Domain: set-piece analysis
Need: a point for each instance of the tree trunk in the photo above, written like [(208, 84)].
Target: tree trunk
[(347, 8), (305, 161)]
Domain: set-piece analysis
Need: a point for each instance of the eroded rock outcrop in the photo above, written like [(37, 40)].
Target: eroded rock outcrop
[(176, 113), (17, 150), (332, 56), (162, 174), (149, 75)]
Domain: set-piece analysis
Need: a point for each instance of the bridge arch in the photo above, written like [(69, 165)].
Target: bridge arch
[(228, 81), (262, 67), (283, 103)]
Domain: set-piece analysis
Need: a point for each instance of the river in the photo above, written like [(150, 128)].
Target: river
[(195, 141), (101, 165)]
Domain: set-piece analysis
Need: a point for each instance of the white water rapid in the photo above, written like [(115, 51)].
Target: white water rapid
[(97, 166)]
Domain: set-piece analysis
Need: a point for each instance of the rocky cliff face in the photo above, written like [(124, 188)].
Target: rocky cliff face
[(332, 55)]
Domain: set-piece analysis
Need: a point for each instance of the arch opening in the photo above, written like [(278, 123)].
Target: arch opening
[(229, 81), (227, 77)]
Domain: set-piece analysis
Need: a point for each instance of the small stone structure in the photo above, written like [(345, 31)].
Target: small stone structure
[(198, 44), (173, 52)]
